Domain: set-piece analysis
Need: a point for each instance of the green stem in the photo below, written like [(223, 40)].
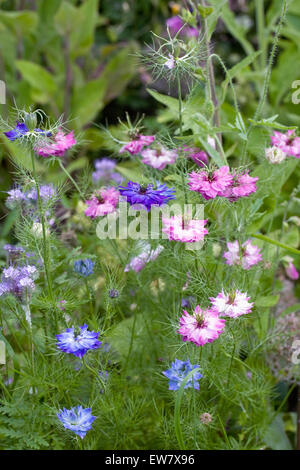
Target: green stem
[(260, 21), (181, 135), (46, 256), (275, 242), (90, 298), (70, 178)]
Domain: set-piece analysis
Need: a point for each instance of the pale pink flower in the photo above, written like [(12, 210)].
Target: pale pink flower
[(159, 158), (58, 146), (102, 202), (231, 305), (139, 262), (203, 326), (275, 155), (206, 418), (247, 256), (291, 271), (189, 230), (289, 143), (250, 254), (210, 185), (135, 146), (170, 63)]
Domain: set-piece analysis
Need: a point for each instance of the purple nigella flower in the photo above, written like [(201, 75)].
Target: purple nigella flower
[(177, 373), (15, 197), (80, 344), (18, 280), (14, 249), (84, 267), (20, 130), (105, 171), (147, 195), (77, 419), (46, 191)]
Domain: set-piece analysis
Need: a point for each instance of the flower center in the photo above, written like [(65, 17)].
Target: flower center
[(200, 320), (143, 188)]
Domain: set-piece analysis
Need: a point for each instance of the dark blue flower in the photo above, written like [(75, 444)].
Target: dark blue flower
[(113, 293), (77, 419), (147, 195), (177, 373), (20, 130), (84, 267), (78, 345)]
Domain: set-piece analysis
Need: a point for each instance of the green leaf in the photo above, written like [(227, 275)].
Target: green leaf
[(38, 77), (169, 101), (65, 18), (234, 71), (205, 11), (86, 18), (291, 309), (275, 437), (235, 29), (270, 122), (20, 23), (88, 100), (267, 301), (119, 71)]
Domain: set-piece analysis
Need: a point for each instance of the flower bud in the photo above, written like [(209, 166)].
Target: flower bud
[(30, 120)]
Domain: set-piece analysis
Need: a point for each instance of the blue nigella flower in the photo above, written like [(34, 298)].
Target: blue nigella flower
[(84, 267), (20, 130), (147, 195), (178, 371), (78, 345), (77, 419)]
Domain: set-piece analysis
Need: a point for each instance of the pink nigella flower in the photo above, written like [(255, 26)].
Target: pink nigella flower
[(61, 143), (291, 271), (139, 262), (203, 326), (289, 143), (189, 230), (136, 145), (210, 185), (242, 185), (247, 256), (159, 158), (231, 305), (198, 156), (102, 202)]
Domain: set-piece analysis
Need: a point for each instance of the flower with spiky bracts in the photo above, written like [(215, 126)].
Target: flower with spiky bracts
[(172, 57), (147, 195)]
